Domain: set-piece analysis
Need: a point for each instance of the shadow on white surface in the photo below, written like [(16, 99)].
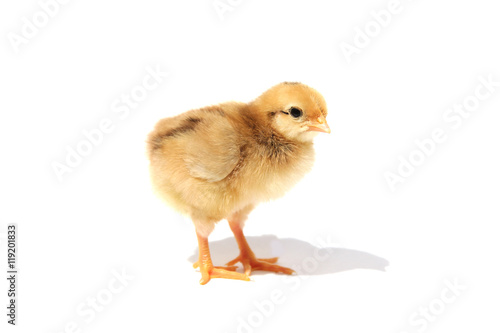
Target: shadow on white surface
[(303, 257)]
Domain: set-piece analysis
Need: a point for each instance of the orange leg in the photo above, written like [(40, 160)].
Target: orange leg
[(208, 270), (248, 259)]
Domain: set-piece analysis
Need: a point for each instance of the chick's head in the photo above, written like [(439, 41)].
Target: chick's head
[(295, 110)]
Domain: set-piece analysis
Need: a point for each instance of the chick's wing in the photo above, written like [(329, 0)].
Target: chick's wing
[(212, 149)]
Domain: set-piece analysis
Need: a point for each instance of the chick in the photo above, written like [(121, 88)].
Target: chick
[(221, 161)]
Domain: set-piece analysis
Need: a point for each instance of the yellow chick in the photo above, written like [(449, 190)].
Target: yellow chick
[(220, 161)]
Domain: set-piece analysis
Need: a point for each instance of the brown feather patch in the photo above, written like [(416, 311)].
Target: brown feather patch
[(189, 124)]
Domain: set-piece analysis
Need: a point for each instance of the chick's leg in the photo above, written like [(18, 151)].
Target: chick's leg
[(208, 270), (247, 257)]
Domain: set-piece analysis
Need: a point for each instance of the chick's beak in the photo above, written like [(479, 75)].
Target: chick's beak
[(320, 125)]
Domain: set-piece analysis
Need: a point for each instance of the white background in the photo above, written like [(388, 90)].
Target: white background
[(439, 225)]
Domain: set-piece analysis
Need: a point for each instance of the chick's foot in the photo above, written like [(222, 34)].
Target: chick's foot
[(247, 257), (208, 271), (251, 263)]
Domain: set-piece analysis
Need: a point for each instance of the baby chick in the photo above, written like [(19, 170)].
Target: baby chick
[(219, 162)]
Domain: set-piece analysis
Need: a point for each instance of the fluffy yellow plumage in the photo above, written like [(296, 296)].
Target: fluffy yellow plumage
[(219, 162)]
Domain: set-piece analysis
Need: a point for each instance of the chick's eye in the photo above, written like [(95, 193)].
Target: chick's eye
[(295, 112)]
